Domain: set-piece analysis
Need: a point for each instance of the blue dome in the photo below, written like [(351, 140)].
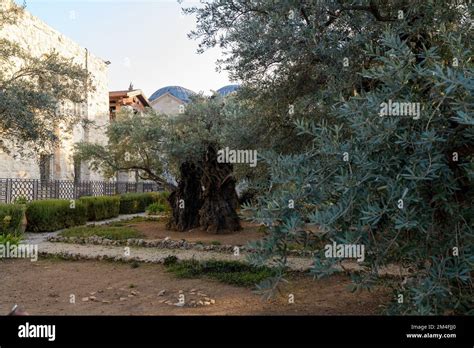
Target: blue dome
[(176, 91), (226, 90)]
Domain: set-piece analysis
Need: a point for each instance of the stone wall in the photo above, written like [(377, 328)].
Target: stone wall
[(38, 38)]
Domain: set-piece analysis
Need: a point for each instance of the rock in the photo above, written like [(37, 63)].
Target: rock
[(162, 301), (207, 303), (180, 291), (162, 292), (93, 298), (194, 290), (123, 299), (179, 304), (134, 292), (130, 295), (85, 299), (105, 301), (207, 299), (213, 301), (200, 303), (92, 293)]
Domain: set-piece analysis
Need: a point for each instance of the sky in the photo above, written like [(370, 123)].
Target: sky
[(146, 41)]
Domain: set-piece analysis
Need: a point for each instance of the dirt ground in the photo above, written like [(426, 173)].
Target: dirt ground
[(45, 287), (158, 230)]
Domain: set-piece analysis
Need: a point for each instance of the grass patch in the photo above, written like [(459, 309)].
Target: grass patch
[(229, 272), (131, 221), (109, 232)]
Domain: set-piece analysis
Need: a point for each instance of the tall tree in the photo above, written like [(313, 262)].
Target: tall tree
[(136, 142)]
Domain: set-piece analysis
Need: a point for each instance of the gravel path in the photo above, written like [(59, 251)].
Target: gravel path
[(153, 255), (118, 218), (157, 255)]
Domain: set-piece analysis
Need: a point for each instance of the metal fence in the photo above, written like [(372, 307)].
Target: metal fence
[(34, 189)]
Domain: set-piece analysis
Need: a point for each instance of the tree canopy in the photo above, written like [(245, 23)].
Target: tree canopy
[(402, 185)]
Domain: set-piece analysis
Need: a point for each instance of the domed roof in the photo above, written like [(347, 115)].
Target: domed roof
[(176, 91), (226, 90)]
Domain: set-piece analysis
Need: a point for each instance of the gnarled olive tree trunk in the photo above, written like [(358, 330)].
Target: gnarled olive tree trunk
[(218, 212), (205, 197), (186, 200)]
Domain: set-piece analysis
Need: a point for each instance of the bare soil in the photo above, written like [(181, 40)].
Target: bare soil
[(45, 287), (158, 230)]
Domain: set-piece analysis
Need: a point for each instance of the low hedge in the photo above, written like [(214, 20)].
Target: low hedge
[(55, 214), (101, 208), (11, 216), (132, 203)]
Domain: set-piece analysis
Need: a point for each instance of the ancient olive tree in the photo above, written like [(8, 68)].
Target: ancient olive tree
[(206, 195), (182, 147), (384, 93)]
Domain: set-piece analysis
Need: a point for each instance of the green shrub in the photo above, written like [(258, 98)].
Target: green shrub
[(157, 208), (55, 214), (160, 197), (101, 208), (131, 203), (11, 216), (21, 200), (10, 238)]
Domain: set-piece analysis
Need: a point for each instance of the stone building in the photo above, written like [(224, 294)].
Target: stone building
[(38, 38), (171, 100)]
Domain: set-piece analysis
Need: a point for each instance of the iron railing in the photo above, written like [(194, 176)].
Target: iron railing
[(34, 189)]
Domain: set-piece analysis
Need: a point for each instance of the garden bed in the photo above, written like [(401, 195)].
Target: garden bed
[(142, 232)]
